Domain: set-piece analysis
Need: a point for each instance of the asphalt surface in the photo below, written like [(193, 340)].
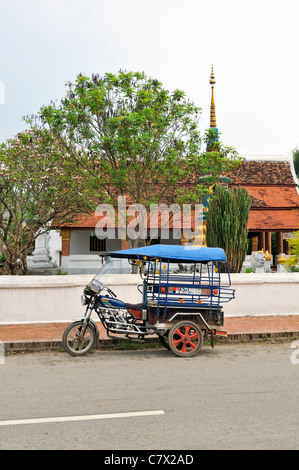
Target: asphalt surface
[(231, 397)]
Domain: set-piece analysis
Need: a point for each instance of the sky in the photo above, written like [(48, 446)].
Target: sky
[(253, 47)]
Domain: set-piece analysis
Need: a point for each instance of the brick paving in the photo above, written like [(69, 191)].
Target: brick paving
[(258, 324), (36, 333)]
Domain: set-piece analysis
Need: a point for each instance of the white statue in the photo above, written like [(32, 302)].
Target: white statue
[(260, 262)]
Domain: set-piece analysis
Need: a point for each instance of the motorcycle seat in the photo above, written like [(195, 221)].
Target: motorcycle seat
[(135, 309)]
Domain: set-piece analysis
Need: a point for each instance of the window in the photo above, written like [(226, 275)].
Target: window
[(154, 241), (95, 244)]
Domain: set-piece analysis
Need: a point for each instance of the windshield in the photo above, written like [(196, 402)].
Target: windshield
[(110, 266), (114, 266)]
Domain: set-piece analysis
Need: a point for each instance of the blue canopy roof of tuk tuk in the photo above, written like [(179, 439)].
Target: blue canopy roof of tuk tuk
[(175, 253)]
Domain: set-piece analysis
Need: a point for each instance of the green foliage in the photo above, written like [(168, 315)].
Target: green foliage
[(227, 220), (142, 140), (292, 264), (38, 185), (220, 159), (296, 162), (249, 270)]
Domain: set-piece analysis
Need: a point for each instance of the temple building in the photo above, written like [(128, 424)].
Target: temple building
[(273, 186), (270, 181)]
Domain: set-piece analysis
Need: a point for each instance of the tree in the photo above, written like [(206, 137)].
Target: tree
[(227, 220), (38, 185), (292, 264), (142, 141), (296, 162)]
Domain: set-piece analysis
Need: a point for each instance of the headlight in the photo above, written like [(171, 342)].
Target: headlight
[(84, 300)]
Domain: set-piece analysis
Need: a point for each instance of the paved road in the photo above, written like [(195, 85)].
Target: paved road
[(232, 397)]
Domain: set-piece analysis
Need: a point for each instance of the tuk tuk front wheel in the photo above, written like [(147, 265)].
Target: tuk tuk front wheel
[(74, 343), (185, 339)]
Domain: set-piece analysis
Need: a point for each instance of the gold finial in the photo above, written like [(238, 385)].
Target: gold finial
[(212, 77), (282, 259), (213, 109)]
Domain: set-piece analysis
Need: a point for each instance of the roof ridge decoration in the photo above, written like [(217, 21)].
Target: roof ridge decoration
[(267, 157)]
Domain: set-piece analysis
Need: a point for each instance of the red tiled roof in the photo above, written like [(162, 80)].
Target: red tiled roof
[(273, 196), (262, 172), (275, 202), (91, 220), (272, 220), (259, 219)]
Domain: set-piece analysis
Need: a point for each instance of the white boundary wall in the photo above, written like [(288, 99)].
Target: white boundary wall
[(57, 298)]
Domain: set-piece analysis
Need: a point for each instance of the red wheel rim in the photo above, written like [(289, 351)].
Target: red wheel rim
[(185, 339)]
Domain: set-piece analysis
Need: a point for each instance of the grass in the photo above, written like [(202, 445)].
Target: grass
[(131, 346)]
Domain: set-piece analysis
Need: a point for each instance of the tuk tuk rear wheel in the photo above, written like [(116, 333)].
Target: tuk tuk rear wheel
[(185, 339), (73, 343)]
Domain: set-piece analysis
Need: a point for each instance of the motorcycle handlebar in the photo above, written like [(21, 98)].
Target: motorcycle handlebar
[(111, 292)]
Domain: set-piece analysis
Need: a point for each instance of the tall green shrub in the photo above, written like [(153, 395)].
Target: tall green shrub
[(296, 162), (227, 220)]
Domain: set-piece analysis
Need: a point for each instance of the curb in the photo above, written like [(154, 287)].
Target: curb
[(47, 345)]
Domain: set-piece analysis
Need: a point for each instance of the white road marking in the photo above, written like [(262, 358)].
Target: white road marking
[(81, 418)]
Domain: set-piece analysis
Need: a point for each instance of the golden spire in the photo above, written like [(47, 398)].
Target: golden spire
[(213, 109)]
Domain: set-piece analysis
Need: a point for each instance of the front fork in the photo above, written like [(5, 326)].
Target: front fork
[(86, 319)]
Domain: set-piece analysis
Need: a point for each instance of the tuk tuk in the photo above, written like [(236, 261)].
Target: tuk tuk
[(182, 295)]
